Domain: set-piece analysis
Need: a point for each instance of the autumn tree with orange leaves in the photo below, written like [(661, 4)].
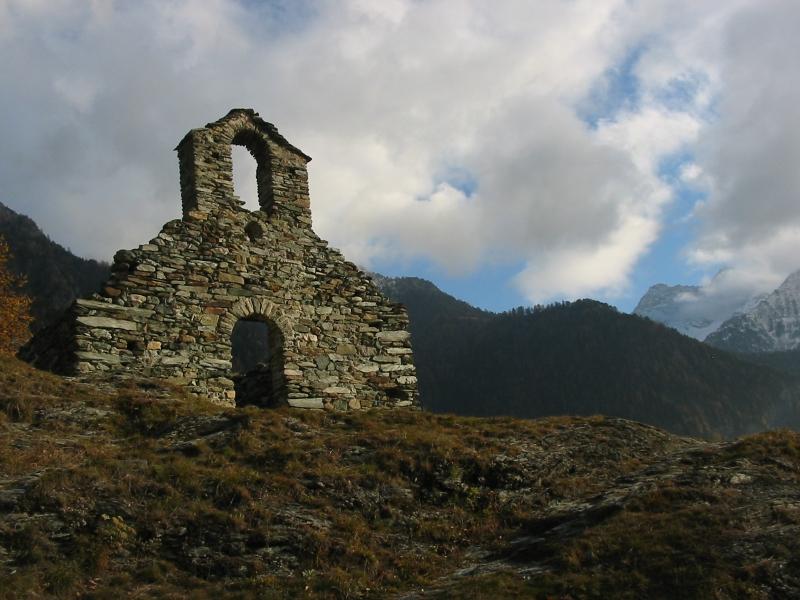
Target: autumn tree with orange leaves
[(15, 306)]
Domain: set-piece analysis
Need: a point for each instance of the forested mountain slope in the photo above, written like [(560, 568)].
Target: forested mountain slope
[(55, 276), (585, 358), (787, 362)]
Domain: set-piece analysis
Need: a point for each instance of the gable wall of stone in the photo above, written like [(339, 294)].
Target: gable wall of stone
[(171, 304)]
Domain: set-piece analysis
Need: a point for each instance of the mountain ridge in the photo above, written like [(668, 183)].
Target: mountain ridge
[(584, 358), (697, 310), (772, 325), (55, 276), (661, 303)]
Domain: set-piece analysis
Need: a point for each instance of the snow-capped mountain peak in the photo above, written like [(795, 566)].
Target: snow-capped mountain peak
[(696, 310), (772, 324)]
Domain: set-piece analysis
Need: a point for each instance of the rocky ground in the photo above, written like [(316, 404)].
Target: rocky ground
[(139, 492)]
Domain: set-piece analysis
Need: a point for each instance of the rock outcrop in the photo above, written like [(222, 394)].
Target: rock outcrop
[(170, 306)]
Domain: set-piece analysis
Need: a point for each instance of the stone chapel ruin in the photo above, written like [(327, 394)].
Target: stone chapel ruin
[(170, 307)]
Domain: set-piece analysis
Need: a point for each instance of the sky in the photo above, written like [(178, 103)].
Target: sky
[(514, 152)]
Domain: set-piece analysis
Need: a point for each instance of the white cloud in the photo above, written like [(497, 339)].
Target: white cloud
[(399, 100), (752, 150), (78, 93), (650, 134), (572, 271), (691, 173)]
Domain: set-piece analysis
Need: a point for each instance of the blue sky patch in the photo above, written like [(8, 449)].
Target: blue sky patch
[(617, 91), (490, 287), (458, 178), (665, 261)]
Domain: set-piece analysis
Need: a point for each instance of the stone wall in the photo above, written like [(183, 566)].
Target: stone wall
[(171, 304)]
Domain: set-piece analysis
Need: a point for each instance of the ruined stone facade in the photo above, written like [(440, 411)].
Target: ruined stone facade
[(170, 306)]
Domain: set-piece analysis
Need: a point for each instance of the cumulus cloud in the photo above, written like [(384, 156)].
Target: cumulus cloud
[(446, 130), (751, 218)]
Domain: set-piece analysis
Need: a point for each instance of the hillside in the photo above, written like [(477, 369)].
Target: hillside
[(139, 493), (787, 362), (55, 275), (585, 358)]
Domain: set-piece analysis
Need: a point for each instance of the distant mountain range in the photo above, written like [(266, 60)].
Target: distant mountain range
[(772, 325), (764, 323), (696, 310), (577, 358), (582, 358), (55, 276), (667, 304)]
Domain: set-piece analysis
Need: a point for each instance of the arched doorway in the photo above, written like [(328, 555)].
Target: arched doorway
[(257, 362)]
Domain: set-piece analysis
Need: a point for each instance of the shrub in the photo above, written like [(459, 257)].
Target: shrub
[(15, 306)]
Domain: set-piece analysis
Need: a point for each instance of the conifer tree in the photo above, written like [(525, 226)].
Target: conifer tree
[(15, 306)]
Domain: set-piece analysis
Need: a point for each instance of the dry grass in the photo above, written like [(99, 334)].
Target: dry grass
[(172, 497)]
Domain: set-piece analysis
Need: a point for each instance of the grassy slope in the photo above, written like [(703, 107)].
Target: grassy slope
[(138, 492)]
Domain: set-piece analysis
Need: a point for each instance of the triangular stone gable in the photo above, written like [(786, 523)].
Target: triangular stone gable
[(171, 304)]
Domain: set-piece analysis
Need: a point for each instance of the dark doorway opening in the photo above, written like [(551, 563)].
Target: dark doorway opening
[(257, 361)]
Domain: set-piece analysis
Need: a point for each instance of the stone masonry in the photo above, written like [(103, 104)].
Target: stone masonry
[(170, 306)]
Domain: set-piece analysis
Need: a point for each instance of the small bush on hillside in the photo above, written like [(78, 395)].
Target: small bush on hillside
[(15, 306)]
